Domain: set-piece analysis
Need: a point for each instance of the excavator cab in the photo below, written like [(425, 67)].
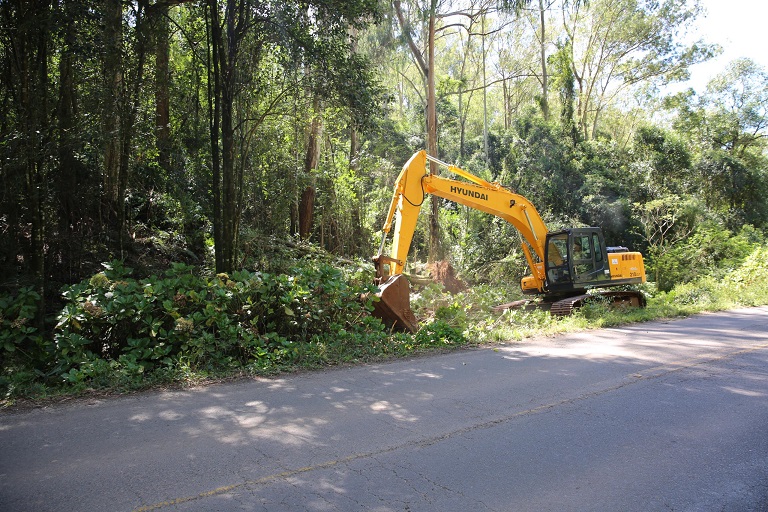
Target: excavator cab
[(575, 259)]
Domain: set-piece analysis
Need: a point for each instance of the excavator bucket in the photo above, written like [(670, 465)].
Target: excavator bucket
[(394, 304)]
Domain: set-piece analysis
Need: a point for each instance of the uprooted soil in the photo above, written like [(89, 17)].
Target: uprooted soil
[(444, 273)]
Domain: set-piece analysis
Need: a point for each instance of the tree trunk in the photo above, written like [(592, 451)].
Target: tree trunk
[(485, 97), (578, 77), (228, 51), (294, 216), (354, 148), (162, 84), (428, 70), (68, 170), (228, 176), (113, 91), (543, 55), (29, 77), (128, 107), (354, 145), (306, 212), (307, 205), (507, 104), (462, 127), (435, 249), (214, 102), (38, 106), (225, 43)]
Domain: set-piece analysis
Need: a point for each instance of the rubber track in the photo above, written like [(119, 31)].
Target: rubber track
[(565, 307)]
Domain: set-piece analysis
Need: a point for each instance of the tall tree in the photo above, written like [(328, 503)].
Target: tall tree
[(26, 44), (243, 35), (123, 73), (311, 160), (227, 34), (162, 45), (425, 58), (564, 83), (618, 44), (114, 89), (736, 102), (538, 18)]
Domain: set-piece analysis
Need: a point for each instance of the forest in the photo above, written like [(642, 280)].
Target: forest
[(197, 187)]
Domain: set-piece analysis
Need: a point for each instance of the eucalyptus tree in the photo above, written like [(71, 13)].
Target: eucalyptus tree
[(465, 69), (618, 44), (515, 66), (436, 16), (537, 16), (540, 18), (424, 55)]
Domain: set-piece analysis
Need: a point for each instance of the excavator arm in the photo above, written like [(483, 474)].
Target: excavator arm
[(413, 185), (410, 191)]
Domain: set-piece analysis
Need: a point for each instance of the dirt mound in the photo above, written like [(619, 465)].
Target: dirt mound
[(443, 272)]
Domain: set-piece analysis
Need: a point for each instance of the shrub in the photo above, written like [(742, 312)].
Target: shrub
[(746, 285), (18, 334), (710, 251), (439, 334), (754, 270), (213, 323)]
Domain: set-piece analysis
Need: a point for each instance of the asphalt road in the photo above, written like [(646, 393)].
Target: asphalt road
[(657, 416)]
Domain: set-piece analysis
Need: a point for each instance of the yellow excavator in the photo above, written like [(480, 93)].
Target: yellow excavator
[(564, 264)]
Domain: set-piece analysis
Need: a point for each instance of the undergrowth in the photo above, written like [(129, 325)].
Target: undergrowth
[(470, 312), (119, 333)]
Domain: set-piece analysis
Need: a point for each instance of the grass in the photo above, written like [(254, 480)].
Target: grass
[(450, 322), (481, 325)]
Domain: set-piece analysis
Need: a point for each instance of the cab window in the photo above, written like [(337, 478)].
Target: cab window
[(557, 260), (557, 251), (582, 255), (582, 249), (596, 245)]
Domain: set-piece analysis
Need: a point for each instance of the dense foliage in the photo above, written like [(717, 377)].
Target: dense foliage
[(186, 183), (118, 331), (220, 322)]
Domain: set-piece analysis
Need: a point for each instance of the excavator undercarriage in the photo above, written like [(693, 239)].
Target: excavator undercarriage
[(560, 306)]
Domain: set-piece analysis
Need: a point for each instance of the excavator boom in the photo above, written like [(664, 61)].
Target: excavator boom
[(410, 190), (414, 183)]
